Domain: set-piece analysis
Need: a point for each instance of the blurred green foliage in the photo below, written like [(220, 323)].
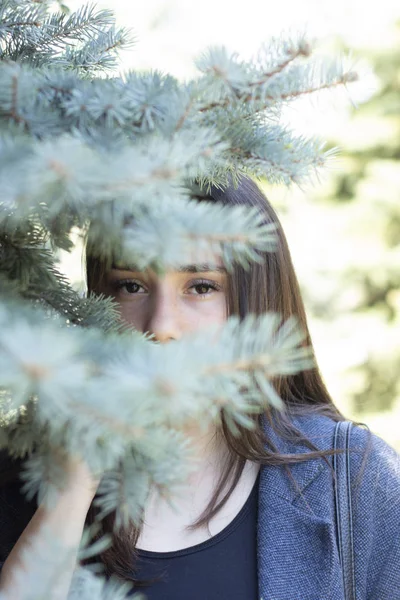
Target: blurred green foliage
[(345, 241), (367, 189)]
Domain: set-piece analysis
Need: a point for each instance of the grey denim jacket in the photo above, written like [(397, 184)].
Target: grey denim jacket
[(296, 542)]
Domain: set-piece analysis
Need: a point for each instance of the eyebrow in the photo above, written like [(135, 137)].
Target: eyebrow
[(204, 268), (199, 268)]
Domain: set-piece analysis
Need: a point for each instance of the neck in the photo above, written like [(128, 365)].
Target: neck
[(209, 450)]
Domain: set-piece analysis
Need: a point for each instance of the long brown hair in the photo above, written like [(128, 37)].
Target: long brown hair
[(269, 286)]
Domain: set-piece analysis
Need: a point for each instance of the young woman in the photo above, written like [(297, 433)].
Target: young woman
[(257, 519)]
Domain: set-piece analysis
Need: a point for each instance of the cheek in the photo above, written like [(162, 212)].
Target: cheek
[(131, 313), (206, 312), (210, 321), (187, 315)]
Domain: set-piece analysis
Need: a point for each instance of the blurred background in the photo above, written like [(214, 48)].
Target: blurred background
[(344, 231)]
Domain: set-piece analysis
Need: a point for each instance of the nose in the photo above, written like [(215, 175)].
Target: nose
[(163, 318)]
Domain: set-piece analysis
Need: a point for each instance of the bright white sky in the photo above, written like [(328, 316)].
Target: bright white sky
[(171, 33)]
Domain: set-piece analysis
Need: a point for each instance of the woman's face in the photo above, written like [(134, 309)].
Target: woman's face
[(183, 300)]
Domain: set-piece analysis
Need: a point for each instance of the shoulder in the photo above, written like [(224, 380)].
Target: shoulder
[(375, 488), (374, 465), (370, 454)]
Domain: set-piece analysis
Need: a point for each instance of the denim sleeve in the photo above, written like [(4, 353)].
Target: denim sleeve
[(376, 517)]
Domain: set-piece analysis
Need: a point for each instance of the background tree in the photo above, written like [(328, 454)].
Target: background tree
[(348, 254), (370, 185)]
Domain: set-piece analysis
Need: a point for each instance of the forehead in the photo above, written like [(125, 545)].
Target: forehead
[(198, 262), (201, 263), (198, 268)]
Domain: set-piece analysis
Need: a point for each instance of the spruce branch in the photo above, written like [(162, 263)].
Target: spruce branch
[(80, 25), (86, 585), (98, 53), (205, 227), (127, 155), (238, 82), (19, 18), (75, 379), (282, 52), (37, 37), (184, 115), (263, 98), (10, 102)]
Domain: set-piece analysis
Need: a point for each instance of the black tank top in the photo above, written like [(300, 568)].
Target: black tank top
[(223, 567)]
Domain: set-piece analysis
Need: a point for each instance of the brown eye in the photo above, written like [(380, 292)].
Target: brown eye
[(129, 286), (203, 287)]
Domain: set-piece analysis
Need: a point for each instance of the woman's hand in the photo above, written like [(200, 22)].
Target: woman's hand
[(60, 527), (79, 478)]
